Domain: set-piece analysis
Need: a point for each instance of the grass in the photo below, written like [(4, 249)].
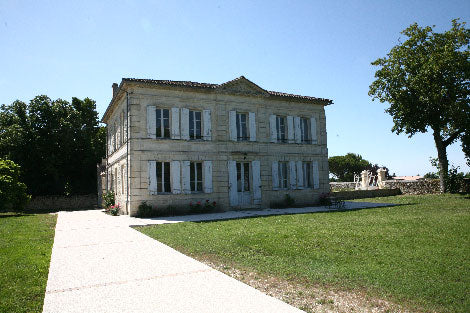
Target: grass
[(25, 252), (415, 254)]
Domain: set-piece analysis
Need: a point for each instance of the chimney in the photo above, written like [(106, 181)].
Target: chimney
[(115, 89)]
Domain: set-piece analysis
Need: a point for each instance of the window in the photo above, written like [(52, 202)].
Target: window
[(281, 128), (307, 174), (242, 133), (243, 176), (115, 183), (163, 176), (163, 123), (195, 125), (283, 175), (304, 130), (196, 176)]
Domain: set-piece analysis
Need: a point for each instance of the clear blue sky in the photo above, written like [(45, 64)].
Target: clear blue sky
[(317, 48)]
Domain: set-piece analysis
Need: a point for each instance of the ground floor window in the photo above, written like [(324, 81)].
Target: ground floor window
[(196, 176), (163, 176), (282, 175), (307, 174)]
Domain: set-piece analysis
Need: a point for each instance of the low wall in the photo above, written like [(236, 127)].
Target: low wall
[(410, 187), (63, 202), (342, 186), (359, 194), (414, 187)]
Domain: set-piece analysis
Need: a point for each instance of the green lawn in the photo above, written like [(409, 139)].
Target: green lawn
[(416, 254), (25, 252)]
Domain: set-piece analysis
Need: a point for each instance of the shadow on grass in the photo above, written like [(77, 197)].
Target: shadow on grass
[(40, 211)]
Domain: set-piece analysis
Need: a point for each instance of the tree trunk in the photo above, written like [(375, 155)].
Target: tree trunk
[(443, 162)]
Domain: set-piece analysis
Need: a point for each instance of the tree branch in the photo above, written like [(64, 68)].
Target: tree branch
[(451, 138)]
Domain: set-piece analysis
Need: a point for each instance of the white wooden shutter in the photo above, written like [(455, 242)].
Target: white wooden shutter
[(316, 175), (297, 133), (252, 123), (175, 177), (275, 174), (232, 183), (292, 176), (207, 176), (152, 168), (207, 126), (185, 176), (151, 121), (125, 126), (184, 124), (255, 167), (300, 175), (272, 128), (290, 129), (232, 116), (175, 123), (313, 129)]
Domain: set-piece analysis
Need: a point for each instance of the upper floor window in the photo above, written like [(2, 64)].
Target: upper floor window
[(305, 130), (242, 133), (282, 175), (281, 128), (163, 123), (195, 123), (163, 176), (195, 176)]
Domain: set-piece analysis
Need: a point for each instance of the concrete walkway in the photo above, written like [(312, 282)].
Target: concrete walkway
[(249, 213), (100, 264)]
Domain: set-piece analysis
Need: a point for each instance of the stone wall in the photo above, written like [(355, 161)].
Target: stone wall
[(411, 187), (360, 194), (414, 187), (55, 203), (342, 186)]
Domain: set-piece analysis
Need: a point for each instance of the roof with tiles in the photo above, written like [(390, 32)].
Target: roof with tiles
[(215, 87)]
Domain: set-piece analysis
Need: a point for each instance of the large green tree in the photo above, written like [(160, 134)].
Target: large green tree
[(426, 81), (57, 143), (345, 166)]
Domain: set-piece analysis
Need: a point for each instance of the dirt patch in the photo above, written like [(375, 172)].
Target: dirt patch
[(307, 298)]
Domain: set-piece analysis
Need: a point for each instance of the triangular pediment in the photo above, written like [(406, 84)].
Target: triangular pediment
[(242, 86)]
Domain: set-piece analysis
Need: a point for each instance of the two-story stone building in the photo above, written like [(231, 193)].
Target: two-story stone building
[(176, 142)]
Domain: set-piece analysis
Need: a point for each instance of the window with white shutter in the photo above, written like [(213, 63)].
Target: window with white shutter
[(307, 174), (313, 128), (242, 130), (207, 176), (195, 123), (162, 123), (281, 128), (305, 131), (195, 176), (292, 175), (252, 124), (283, 176)]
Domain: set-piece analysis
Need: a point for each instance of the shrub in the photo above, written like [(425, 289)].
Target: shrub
[(145, 210), (325, 199), (13, 194), (114, 209), (108, 199), (207, 207), (288, 202)]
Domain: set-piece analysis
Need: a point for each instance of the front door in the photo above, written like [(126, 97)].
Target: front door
[(243, 183)]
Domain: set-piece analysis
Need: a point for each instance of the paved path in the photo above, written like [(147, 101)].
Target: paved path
[(100, 264), (249, 213)]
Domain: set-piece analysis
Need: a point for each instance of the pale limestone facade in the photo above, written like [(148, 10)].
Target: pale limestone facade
[(296, 164)]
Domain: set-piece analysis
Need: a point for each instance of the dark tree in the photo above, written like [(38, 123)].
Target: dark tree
[(56, 143), (426, 81)]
